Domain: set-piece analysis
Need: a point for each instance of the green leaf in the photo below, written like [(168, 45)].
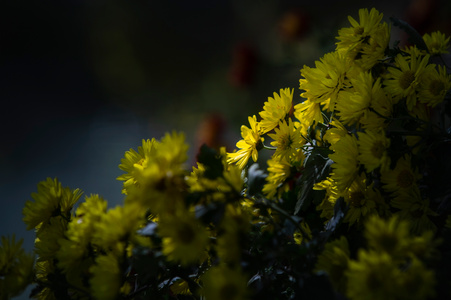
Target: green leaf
[(212, 162), (316, 168)]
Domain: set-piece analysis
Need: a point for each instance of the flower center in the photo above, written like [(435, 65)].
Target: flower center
[(285, 142), (406, 79), (378, 149), (436, 87), (186, 234), (405, 179), (358, 30), (356, 198)]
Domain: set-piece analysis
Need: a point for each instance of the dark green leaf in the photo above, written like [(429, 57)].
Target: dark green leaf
[(212, 162)]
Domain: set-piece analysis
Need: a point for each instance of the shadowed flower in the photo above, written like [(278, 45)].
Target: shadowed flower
[(50, 200), (276, 109), (249, 145)]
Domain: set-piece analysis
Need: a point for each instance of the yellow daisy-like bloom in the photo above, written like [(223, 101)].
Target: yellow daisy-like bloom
[(433, 88), (276, 109), (279, 170), (402, 178), (335, 133), (346, 164), (76, 245), (46, 244), (437, 42), (132, 159), (225, 283), (403, 79), (323, 83), (116, 226), (249, 145), (232, 180), (16, 267), (308, 112), (362, 200), (106, 277), (373, 147), (415, 209), (332, 195), (50, 200), (391, 236), (184, 238), (233, 227), (160, 180), (172, 152), (381, 109), (357, 104), (366, 41), (334, 261), (418, 283), (376, 276), (287, 140)]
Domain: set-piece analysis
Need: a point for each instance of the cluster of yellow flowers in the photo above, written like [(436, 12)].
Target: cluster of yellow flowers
[(344, 195)]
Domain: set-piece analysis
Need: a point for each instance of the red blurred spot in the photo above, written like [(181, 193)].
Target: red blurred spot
[(243, 65)]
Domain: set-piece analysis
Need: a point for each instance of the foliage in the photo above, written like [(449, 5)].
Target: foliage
[(352, 203)]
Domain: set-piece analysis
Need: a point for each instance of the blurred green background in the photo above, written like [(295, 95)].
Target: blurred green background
[(82, 81)]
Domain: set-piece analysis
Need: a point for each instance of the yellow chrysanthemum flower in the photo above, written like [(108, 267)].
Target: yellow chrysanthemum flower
[(116, 226), (132, 159), (233, 228), (403, 80), (373, 147), (308, 112), (418, 283), (332, 195), (391, 236), (402, 178), (377, 275), (366, 41), (433, 88), (276, 109), (334, 260), (160, 180), (437, 42), (225, 283), (279, 170), (323, 83), (415, 209), (106, 277), (335, 133), (362, 200), (184, 238), (381, 109), (165, 157), (16, 267), (50, 200), (346, 164), (358, 104), (287, 140), (249, 145), (76, 245), (46, 244)]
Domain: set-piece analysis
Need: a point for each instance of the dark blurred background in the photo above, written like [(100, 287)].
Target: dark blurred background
[(83, 81)]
